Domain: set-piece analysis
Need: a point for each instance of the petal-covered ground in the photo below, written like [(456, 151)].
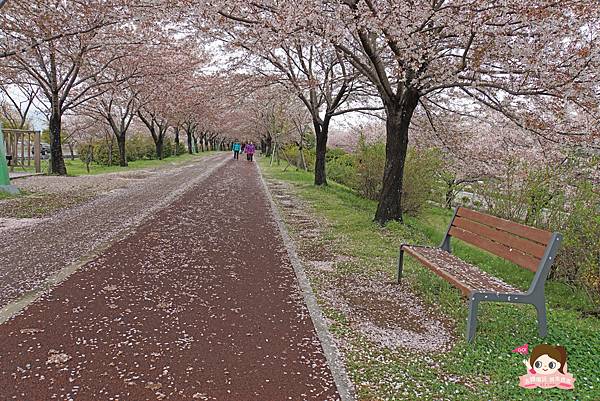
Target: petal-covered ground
[(34, 249), (199, 302)]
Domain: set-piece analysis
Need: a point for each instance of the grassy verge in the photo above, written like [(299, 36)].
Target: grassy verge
[(484, 370), (77, 167)]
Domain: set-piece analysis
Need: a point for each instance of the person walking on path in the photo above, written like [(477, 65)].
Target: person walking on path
[(236, 149), (250, 149)]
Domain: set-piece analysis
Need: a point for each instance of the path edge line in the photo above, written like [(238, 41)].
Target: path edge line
[(20, 304), (331, 351)]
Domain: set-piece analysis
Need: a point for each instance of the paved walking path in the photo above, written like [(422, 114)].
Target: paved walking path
[(199, 302), (32, 253)]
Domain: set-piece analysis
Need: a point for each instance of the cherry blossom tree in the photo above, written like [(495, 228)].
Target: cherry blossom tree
[(66, 47), (119, 101), (67, 68), (78, 128), (500, 55), (503, 55), (301, 63), (117, 109)]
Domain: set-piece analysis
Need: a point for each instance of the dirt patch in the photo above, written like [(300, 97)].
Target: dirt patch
[(385, 313), (324, 265), (95, 184), (390, 315)]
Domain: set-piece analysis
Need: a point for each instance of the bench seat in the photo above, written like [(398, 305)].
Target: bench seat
[(528, 247), (463, 275)]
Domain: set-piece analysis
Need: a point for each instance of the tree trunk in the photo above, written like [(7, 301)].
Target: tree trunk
[(71, 150), (399, 113), (89, 157), (122, 152), (189, 142), (450, 194), (159, 147), (321, 133), (58, 162)]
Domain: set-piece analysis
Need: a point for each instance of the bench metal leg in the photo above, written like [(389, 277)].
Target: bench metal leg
[(400, 264), (541, 318), (472, 320)]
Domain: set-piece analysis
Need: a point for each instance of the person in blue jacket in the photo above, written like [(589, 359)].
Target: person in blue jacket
[(237, 147)]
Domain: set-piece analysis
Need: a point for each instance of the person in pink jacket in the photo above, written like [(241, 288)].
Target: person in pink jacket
[(249, 149)]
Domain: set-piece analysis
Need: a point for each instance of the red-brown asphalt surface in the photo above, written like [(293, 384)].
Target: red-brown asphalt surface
[(200, 302)]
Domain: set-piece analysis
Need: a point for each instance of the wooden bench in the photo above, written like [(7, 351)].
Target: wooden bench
[(528, 247)]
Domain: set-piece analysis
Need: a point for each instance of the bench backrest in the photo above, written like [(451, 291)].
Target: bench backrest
[(520, 244)]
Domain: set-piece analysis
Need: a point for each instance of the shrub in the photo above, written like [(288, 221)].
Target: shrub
[(103, 152), (310, 155), (137, 147), (420, 175), (180, 149), (369, 165), (578, 261), (341, 167), (554, 198), (420, 182), (291, 153), (140, 147), (334, 153), (168, 148)]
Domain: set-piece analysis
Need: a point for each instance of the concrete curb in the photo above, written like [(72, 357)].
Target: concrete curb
[(15, 307), (332, 354)]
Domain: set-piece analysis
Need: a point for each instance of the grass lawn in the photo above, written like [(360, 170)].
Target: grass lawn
[(77, 167), (483, 370)]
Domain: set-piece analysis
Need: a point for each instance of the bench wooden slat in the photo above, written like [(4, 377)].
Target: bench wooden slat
[(531, 233), (513, 255), (444, 274), (463, 275), (532, 248)]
